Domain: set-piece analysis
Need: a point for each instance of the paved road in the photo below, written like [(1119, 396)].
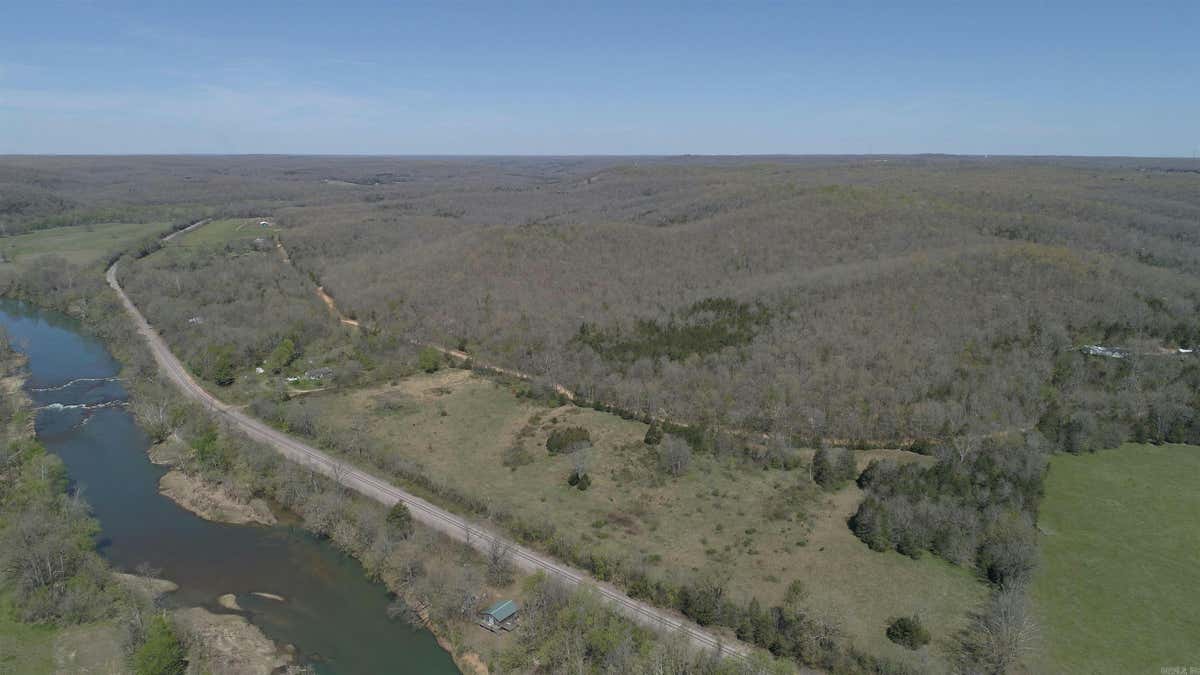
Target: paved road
[(432, 516)]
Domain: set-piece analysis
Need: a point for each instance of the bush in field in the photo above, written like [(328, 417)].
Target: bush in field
[(579, 481), (429, 360), (907, 631), (515, 456), (568, 439), (162, 653)]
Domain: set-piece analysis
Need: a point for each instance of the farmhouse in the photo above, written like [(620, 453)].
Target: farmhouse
[(500, 616)]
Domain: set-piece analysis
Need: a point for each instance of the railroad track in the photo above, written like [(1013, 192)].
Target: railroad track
[(454, 526)]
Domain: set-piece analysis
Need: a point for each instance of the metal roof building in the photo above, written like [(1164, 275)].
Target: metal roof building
[(499, 615)]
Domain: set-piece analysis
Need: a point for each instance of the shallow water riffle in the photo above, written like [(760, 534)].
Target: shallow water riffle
[(329, 611)]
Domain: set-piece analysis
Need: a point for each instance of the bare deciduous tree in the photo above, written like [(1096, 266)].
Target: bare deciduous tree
[(674, 455), (1001, 635)]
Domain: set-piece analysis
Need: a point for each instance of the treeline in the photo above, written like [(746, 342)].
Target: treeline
[(975, 506), (47, 547), (47, 542), (1099, 402), (50, 571)]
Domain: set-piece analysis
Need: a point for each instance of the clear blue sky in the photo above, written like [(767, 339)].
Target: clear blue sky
[(1046, 77)]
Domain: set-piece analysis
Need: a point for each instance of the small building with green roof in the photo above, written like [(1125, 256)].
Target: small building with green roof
[(500, 616)]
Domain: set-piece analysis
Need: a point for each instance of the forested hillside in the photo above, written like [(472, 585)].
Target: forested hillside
[(879, 300)]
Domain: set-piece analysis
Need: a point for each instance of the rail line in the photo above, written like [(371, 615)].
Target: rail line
[(454, 526)]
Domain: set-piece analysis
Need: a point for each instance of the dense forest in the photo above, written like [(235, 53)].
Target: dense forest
[(855, 299), (883, 301)]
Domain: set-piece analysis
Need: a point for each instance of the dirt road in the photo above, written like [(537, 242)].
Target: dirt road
[(432, 516), (189, 228)]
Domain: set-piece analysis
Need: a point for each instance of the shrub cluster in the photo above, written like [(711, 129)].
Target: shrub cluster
[(704, 327), (429, 360), (908, 631), (568, 440), (579, 481), (975, 505), (162, 653), (832, 469)]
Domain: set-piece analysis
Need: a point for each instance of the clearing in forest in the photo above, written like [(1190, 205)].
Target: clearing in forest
[(221, 231), (79, 244), (755, 529)]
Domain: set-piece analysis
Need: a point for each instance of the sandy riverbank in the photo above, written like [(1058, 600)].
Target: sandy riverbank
[(211, 502), (229, 644)]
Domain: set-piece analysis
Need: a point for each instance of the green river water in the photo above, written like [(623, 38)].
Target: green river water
[(332, 614)]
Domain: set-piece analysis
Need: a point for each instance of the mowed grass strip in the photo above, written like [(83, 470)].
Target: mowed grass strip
[(79, 244), (1118, 590), (757, 529)]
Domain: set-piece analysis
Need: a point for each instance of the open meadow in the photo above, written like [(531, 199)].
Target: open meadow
[(1119, 586), (220, 232), (755, 530), (81, 245)]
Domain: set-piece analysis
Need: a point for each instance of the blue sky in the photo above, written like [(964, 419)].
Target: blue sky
[(1044, 77)]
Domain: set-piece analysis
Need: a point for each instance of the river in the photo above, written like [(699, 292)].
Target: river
[(334, 616)]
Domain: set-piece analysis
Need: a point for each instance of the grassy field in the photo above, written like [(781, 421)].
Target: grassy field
[(221, 231), (1119, 586), (29, 649), (758, 529), (24, 649), (80, 244)]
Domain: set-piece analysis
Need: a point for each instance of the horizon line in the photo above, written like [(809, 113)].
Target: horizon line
[(599, 155)]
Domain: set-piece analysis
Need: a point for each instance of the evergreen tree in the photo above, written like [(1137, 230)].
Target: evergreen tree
[(822, 468), (654, 434), (399, 518)]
